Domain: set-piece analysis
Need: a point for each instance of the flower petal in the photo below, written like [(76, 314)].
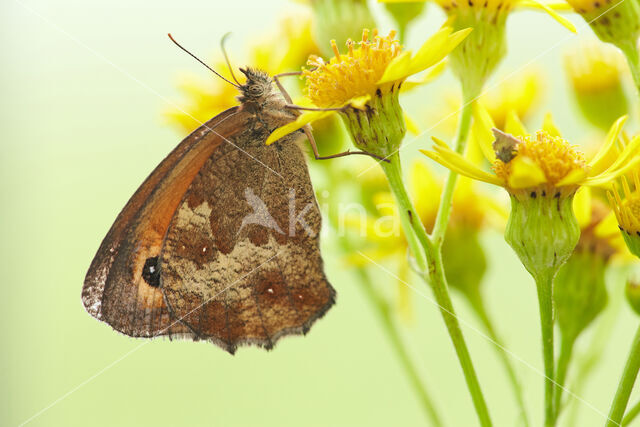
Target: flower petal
[(460, 164), (525, 173), (549, 126), (606, 177), (436, 48), (513, 125), (600, 162), (573, 177), (486, 178), (481, 129), (630, 151), (302, 120), (398, 68), (428, 77), (582, 206), (555, 15)]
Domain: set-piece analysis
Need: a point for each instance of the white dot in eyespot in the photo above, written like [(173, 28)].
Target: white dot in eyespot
[(270, 290)]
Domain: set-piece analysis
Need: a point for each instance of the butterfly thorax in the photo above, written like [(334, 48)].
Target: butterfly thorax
[(259, 97)]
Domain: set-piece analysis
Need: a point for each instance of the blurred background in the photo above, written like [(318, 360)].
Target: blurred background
[(88, 89)]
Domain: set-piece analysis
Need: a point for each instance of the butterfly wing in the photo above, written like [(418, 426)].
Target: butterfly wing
[(121, 286), (241, 263)]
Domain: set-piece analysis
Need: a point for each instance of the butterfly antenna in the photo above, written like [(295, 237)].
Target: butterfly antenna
[(203, 63), (226, 57)]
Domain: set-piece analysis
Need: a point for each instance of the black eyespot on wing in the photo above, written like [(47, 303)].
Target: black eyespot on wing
[(151, 272)]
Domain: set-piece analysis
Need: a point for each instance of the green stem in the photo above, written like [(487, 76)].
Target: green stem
[(479, 307), (430, 264), (631, 414), (441, 292), (446, 200), (630, 51), (626, 383), (409, 218), (544, 284), (566, 350)]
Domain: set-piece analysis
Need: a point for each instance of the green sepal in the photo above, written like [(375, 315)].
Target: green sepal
[(379, 127), (543, 231)]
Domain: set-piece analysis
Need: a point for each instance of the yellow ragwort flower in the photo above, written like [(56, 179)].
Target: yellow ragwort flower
[(543, 163), (372, 71)]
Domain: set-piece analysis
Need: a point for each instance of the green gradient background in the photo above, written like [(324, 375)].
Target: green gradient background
[(83, 88)]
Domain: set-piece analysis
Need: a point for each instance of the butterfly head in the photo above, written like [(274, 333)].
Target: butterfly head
[(258, 87)]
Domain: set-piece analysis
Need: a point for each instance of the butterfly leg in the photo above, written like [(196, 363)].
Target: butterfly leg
[(307, 128)]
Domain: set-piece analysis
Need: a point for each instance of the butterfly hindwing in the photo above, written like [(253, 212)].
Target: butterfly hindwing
[(232, 267)]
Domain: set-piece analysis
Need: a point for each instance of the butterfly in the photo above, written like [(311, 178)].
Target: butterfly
[(221, 242)]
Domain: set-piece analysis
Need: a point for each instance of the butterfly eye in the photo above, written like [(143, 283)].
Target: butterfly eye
[(255, 90)]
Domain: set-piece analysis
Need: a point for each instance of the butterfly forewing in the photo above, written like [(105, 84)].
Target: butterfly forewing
[(220, 243), (114, 288)]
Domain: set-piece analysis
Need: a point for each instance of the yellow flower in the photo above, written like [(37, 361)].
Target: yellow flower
[(627, 209), (594, 72), (372, 68), (543, 163)]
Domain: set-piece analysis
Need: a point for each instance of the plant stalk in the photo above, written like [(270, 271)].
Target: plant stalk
[(544, 285), (631, 414), (626, 383), (429, 261), (446, 200)]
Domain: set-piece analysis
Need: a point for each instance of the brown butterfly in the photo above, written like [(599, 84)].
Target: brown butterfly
[(220, 242)]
